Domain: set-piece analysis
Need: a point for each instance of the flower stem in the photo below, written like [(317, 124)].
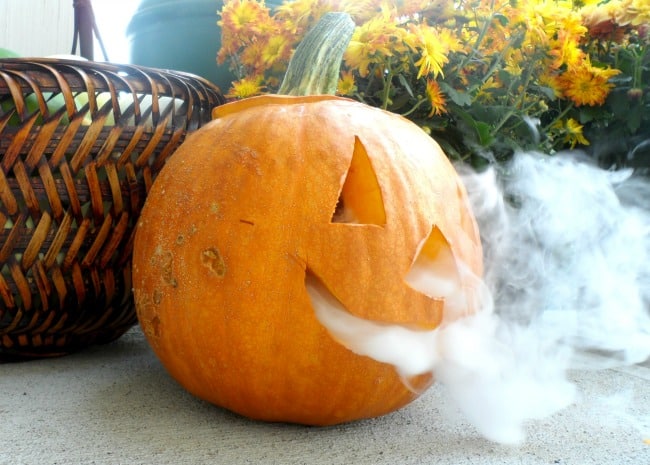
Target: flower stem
[(414, 107), (388, 81), (558, 117)]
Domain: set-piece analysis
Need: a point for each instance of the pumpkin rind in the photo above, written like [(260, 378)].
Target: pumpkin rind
[(243, 211)]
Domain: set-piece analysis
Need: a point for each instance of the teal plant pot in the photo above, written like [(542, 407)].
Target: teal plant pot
[(181, 35)]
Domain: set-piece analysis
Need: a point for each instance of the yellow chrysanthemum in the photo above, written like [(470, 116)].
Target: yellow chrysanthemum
[(278, 48), (513, 60), (246, 87), (346, 85), (484, 93), (433, 47), (553, 82), (539, 18), (633, 12), (565, 44), (572, 132), (299, 14), (566, 53), (251, 58), (358, 56), (373, 41)]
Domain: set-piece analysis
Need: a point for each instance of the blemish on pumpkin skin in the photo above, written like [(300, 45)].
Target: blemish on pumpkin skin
[(157, 296), (146, 309), (211, 258), (155, 325), (249, 158), (167, 269), (180, 239), (214, 208), (165, 261)]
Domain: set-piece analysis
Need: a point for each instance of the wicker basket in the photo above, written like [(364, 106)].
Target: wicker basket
[(80, 143)]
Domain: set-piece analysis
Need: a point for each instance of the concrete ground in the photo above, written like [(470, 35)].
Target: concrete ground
[(115, 404)]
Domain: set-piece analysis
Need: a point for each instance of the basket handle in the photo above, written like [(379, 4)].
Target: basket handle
[(84, 27)]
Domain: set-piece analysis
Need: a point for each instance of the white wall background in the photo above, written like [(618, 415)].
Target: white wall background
[(45, 27)]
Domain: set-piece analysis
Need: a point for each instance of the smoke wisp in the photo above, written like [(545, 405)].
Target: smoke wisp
[(567, 252)]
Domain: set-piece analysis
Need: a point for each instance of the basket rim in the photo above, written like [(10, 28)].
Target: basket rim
[(122, 71)]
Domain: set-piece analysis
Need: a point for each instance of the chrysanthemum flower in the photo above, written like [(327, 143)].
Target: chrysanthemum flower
[(565, 44), (484, 93), (251, 58), (436, 98), (299, 13), (531, 59), (346, 85), (277, 48), (586, 84), (572, 132), (601, 20), (373, 41), (246, 87), (553, 82), (633, 12), (434, 47), (243, 16)]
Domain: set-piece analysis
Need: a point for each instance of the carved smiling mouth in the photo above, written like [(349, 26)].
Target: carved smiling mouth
[(412, 350)]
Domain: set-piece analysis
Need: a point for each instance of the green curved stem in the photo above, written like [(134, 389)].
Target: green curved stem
[(315, 66)]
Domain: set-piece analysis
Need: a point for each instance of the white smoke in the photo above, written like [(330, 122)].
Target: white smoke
[(567, 255), (567, 251)]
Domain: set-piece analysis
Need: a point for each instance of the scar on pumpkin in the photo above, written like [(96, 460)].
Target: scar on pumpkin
[(165, 261), (212, 259), (360, 200), (146, 309)]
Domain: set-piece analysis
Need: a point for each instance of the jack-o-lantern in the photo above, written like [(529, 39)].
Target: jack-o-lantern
[(275, 193)]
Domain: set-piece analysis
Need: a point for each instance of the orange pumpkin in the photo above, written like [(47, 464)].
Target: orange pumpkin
[(275, 191)]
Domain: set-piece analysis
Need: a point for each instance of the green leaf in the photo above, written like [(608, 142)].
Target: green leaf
[(466, 117), (501, 18), (405, 84), (484, 132), (634, 120), (589, 114), (619, 103), (546, 92), (462, 99)]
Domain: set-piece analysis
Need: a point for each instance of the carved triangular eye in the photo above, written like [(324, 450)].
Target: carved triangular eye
[(360, 200), (435, 273)]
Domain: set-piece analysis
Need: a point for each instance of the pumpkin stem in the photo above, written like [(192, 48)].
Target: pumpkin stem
[(316, 63)]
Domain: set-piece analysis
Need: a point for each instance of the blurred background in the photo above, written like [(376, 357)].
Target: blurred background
[(45, 27)]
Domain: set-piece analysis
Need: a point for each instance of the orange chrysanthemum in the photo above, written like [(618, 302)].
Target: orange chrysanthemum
[(243, 16), (587, 85), (436, 98)]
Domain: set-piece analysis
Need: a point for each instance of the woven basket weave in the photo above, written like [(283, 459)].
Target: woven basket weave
[(80, 144)]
